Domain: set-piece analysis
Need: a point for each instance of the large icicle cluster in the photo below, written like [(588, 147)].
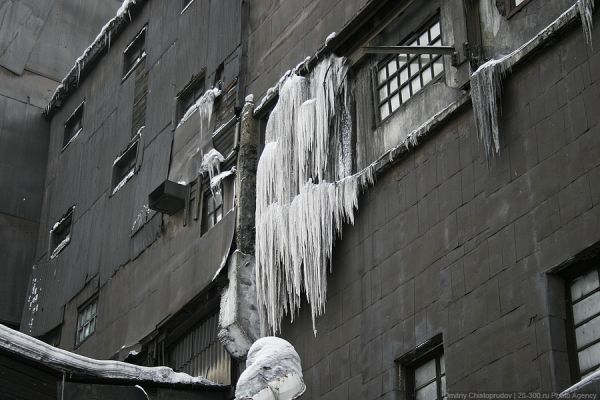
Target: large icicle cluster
[(304, 190), (486, 88)]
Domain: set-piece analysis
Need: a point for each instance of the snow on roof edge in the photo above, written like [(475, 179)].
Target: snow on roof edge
[(61, 360), (110, 31)]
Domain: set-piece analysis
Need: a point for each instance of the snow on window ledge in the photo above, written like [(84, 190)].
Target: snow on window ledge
[(187, 6), (71, 140), (137, 62), (123, 181), (60, 247)]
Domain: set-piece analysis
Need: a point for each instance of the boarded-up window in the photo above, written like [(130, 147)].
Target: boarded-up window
[(140, 96), (200, 353)]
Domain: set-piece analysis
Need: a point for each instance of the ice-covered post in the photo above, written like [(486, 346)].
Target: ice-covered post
[(239, 323), (273, 372)]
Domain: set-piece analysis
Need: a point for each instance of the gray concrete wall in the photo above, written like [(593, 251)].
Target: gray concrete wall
[(142, 276), (445, 244), (38, 41)]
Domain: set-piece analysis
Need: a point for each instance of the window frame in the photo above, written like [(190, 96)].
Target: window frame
[(82, 309), (128, 65), (76, 116), (196, 85), (409, 362), (66, 221), (572, 346), (132, 150), (207, 199), (378, 103), (508, 8)]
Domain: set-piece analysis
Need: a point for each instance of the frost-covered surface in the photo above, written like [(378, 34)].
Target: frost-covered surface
[(204, 106), (586, 9), (211, 163), (141, 218), (239, 324), (586, 385), (273, 372), (35, 350), (486, 82), (216, 180), (303, 192), (102, 40), (60, 247)]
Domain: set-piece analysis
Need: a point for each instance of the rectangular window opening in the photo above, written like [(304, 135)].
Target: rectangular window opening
[(73, 126), (212, 210), (124, 167), (583, 296), (86, 321), (135, 53), (402, 76), (422, 372), (60, 235), (190, 95)]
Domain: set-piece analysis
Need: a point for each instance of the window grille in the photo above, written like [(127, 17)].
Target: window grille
[(200, 353), (584, 305), (402, 76)]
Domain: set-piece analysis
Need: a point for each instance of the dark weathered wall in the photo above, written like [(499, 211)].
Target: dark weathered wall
[(38, 41), (142, 276), (445, 244)]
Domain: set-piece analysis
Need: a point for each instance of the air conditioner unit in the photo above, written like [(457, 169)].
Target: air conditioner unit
[(168, 198)]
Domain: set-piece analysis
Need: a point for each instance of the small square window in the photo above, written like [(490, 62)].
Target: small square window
[(60, 235), (403, 76), (124, 167), (73, 126), (86, 321), (135, 53), (584, 306), (190, 95), (212, 210)]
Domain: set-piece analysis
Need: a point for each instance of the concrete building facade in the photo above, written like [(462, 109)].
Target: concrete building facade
[(31, 65), (472, 264)]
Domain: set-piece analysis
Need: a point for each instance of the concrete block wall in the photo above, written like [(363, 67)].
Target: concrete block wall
[(445, 243)]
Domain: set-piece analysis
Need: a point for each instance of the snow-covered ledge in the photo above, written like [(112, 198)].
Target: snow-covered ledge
[(73, 364), (590, 384)]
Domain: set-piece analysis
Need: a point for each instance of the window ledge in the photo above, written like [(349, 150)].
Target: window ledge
[(71, 140), (133, 68), (186, 7)]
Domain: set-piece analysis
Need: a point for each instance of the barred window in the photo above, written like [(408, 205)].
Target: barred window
[(402, 76), (86, 321), (584, 305)]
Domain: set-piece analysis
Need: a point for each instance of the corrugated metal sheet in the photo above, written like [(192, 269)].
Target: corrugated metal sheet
[(199, 353)]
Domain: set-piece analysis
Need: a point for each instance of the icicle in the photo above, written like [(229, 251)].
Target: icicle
[(586, 9), (486, 87), (298, 212), (211, 162)]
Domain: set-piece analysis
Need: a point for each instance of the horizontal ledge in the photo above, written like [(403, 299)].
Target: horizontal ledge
[(409, 49)]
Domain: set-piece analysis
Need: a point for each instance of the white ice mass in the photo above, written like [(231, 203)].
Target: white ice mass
[(304, 190), (273, 372)]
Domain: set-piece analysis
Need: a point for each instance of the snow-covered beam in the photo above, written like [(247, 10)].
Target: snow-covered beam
[(75, 365)]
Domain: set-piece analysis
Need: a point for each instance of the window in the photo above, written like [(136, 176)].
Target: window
[(60, 235), (508, 8), (212, 211), (402, 76), (124, 167), (190, 95), (584, 306), (86, 321), (73, 126), (428, 380), (134, 53)]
